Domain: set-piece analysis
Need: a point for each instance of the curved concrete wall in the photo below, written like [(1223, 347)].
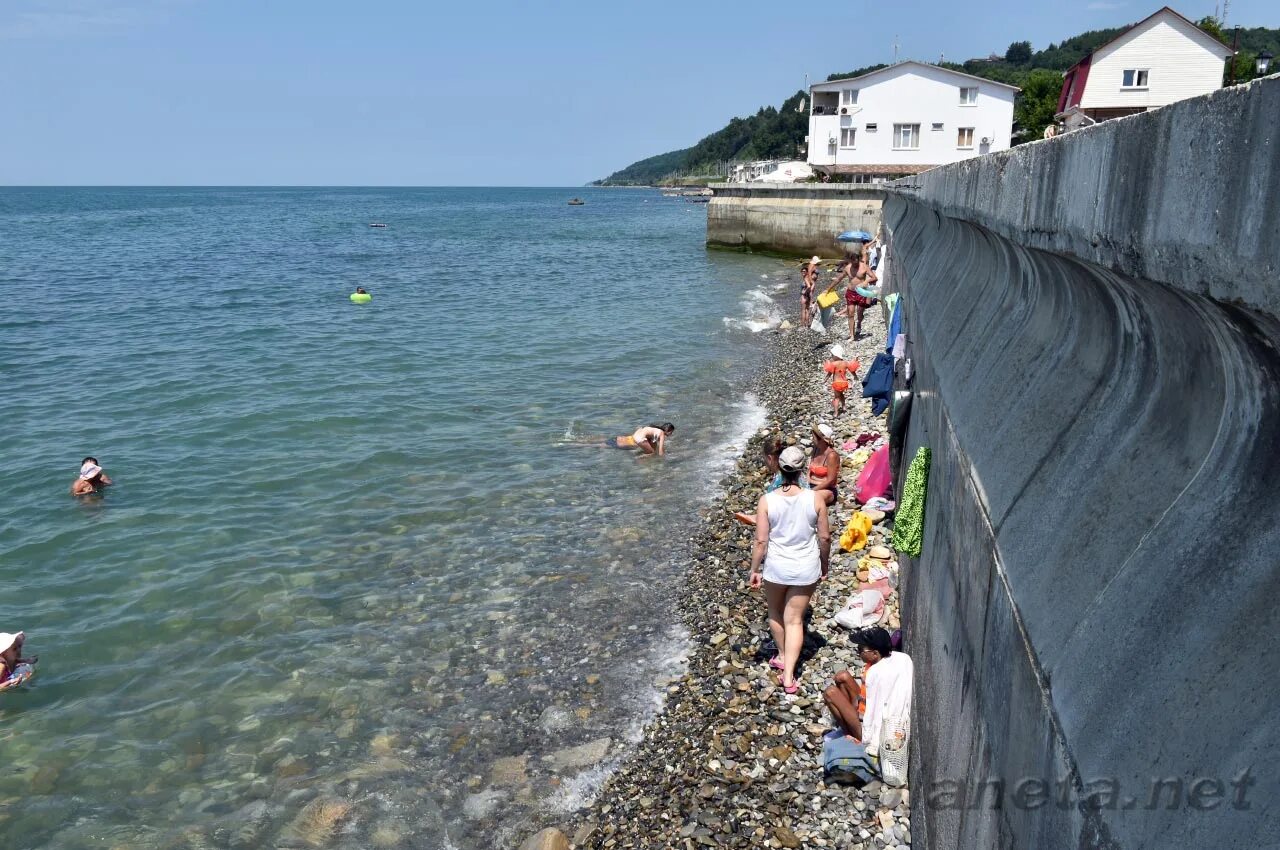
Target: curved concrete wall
[(792, 219), (1099, 593)]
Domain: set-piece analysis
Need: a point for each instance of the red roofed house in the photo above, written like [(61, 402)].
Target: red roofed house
[(1157, 61)]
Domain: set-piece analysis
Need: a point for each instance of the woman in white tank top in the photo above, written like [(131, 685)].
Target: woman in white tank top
[(791, 554)]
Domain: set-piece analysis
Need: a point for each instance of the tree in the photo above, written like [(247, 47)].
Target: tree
[(1037, 103), (1019, 53), (1213, 27)]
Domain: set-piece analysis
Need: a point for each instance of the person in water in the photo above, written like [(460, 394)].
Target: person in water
[(650, 439), (91, 478), (824, 468), (10, 652), (361, 291)]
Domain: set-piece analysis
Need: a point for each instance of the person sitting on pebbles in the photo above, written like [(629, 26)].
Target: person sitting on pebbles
[(91, 479), (824, 467), (860, 712)]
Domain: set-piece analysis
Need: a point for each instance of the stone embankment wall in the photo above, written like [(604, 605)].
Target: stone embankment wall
[(1092, 325), (790, 219)]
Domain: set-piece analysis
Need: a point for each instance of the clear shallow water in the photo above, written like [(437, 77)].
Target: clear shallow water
[(349, 560)]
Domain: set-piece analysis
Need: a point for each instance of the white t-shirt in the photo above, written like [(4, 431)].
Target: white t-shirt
[(793, 556)]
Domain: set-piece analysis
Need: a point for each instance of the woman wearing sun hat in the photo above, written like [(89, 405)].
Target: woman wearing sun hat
[(91, 478), (791, 554), (10, 663), (824, 468)]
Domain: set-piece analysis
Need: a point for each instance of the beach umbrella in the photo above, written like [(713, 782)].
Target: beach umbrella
[(854, 236)]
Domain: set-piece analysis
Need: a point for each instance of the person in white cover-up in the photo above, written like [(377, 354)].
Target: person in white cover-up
[(792, 553)]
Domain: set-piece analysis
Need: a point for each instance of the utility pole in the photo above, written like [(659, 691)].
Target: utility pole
[(895, 50), (1226, 10)]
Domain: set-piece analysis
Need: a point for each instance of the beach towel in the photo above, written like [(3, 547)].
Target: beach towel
[(908, 526)]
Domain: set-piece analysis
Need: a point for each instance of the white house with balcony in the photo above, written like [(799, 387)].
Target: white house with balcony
[(1157, 61), (905, 119)]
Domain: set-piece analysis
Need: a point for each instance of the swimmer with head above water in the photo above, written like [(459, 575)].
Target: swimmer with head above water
[(91, 479), (10, 658), (650, 439)]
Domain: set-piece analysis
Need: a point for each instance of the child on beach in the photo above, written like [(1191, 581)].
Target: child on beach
[(839, 371)]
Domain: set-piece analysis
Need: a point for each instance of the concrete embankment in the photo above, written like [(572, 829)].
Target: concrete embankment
[(1093, 336), (789, 219)]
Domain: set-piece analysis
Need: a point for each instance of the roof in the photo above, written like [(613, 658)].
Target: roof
[(896, 65), (1205, 38)]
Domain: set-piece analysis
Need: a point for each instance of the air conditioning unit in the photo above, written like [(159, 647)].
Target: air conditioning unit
[(985, 140), (844, 110)]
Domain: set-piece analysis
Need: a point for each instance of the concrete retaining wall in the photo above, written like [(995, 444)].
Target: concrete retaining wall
[(791, 219), (1092, 327)]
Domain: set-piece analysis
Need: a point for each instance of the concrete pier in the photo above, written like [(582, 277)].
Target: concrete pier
[(791, 219)]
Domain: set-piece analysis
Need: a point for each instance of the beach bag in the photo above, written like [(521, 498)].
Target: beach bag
[(894, 737), (845, 762), (828, 298), (874, 479)]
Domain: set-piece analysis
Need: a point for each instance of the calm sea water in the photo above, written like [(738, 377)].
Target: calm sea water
[(352, 556)]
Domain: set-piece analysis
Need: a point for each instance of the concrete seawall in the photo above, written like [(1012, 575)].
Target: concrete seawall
[(790, 219), (1093, 334)]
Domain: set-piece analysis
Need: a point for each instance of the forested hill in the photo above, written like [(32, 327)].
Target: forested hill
[(778, 133)]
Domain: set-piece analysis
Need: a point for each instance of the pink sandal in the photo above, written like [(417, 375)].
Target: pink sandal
[(793, 687), (776, 663)]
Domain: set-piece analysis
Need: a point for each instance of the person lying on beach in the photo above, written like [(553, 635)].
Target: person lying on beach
[(650, 439), (824, 467), (860, 712), (10, 650), (91, 478)]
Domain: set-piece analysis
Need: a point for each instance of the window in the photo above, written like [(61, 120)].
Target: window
[(968, 96), (1134, 78), (847, 136), (871, 128), (906, 136), (848, 97), (936, 126), (964, 137)]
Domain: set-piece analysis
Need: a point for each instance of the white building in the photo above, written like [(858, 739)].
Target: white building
[(1157, 61), (905, 119)]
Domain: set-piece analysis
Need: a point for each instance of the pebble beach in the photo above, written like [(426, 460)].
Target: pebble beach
[(731, 760)]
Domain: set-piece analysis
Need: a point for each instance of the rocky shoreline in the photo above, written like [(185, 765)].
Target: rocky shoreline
[(733, 761)]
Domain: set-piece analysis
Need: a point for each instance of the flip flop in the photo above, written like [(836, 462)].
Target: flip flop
[(745, 518), (793, 687), (776, 664)]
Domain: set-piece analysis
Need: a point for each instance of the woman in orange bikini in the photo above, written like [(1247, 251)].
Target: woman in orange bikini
[(650, 439), (838, 372), (824, 466)]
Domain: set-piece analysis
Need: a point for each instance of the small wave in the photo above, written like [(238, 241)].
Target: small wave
[(754, 326)]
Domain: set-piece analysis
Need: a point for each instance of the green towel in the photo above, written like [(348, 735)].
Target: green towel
[(908, 525)]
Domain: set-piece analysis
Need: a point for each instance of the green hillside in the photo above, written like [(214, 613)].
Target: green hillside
[(776, 133)]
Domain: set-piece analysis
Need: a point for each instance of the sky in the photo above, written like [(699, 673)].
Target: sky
[(468, 93)]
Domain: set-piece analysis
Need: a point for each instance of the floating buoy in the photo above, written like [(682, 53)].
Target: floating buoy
[(361, 298)]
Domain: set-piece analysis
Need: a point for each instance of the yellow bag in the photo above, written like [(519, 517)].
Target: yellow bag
[(855, 533), (828, 298)]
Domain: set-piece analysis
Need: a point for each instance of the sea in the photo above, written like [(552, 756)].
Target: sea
[(367, 575)]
